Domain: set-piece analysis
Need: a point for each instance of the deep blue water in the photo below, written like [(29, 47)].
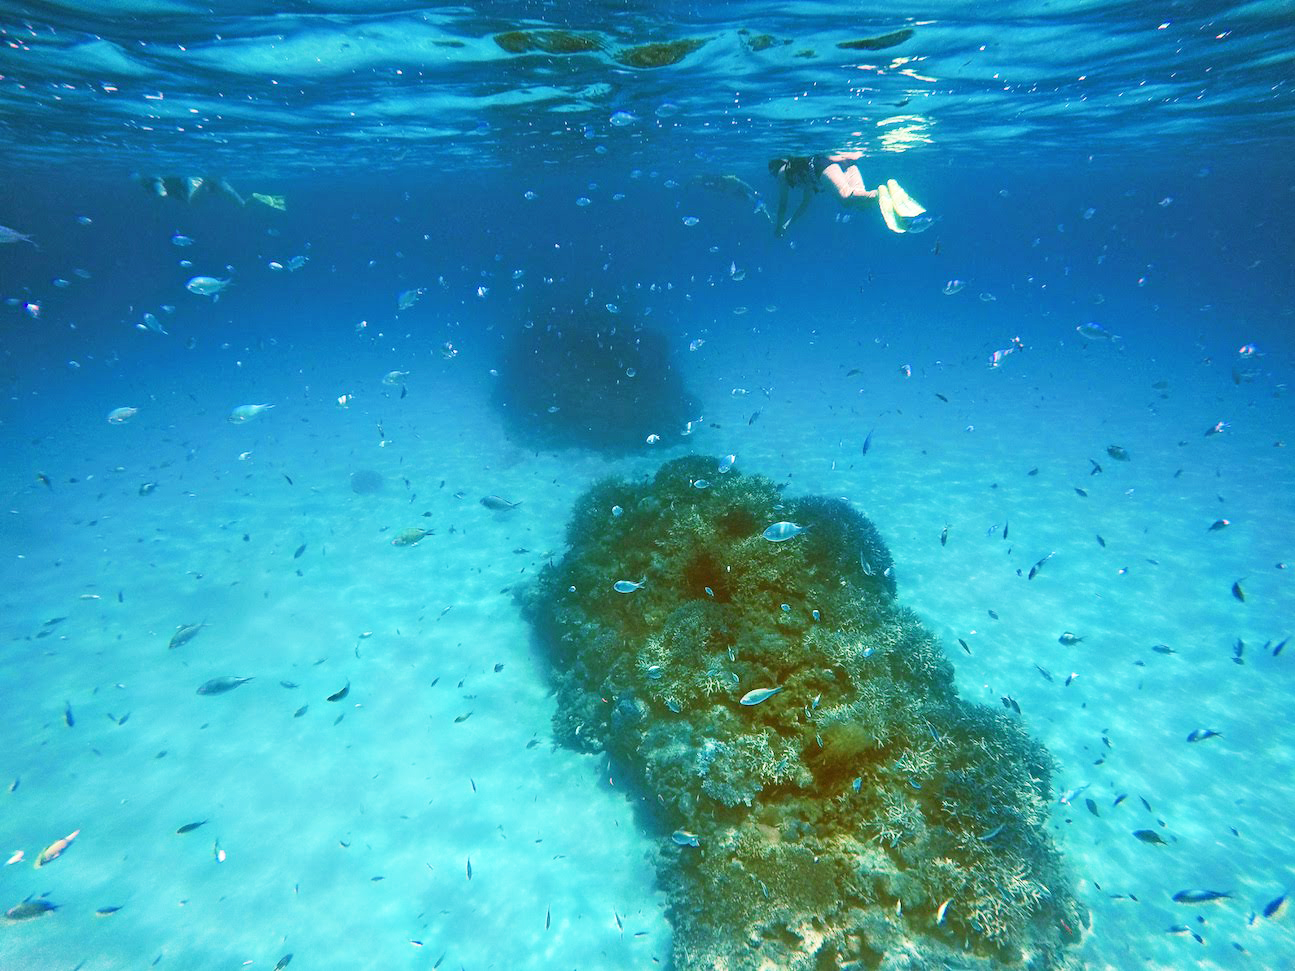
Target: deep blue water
[(1089, 164)]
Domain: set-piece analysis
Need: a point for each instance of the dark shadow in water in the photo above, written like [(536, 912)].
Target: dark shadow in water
[(575, 375)]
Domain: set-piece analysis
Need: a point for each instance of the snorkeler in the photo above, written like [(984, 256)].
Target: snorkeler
[(185, 188), (808, 172)]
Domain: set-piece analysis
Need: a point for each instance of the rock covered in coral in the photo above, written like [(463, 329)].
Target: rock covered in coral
[(862, 815)]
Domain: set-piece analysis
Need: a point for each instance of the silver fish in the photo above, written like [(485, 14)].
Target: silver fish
[(218, 686), (245, 413), (780, 532), (628, 586), (757, 695), (499, 503), (685, 838)]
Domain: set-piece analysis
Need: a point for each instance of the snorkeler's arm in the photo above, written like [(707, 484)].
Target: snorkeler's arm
[(800, 210), (779, 227)]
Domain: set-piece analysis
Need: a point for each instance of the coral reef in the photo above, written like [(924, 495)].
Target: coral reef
[(575, 374), (863, 816)]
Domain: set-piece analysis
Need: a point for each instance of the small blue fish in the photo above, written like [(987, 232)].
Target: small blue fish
[(628, 586), (758, 695), (783, 531), (1200, 896), (1200, 734)]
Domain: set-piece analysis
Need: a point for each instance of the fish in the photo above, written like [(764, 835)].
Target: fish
[(68, 718), (944, 535), (1238, 592), (726, 464), (867, 442), (207, 286), (997, 830), (499, 503), (274, 202), (394, 378), (1034, 570), (340, 693), (245, 413), (1219, 524), (782, 531), (1200, 896), (411, 536), (301, 711), (179, 239), (190, 827), (684, 838), (1216, 429), (300, 549), (757, 695), (30, 909), (106, 911), (184, 634), (628, 586), (1163, 649), (407, 298), (1278, 649), (55, 849), (1068, 638), (218, 686), (1094, 331), (965, 647), (8, 235), (119, 416), (1200, 734), (469, 868), (283, 962), (1275, 908), (1150, 836), (147, 488), (1119, 453)]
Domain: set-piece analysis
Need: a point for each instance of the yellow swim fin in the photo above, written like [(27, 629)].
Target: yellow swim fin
[(904, 204), (888, 209), (274, 202)]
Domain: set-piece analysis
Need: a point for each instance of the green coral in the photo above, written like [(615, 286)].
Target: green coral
[(661, 54), (547, 41), (841, 816)]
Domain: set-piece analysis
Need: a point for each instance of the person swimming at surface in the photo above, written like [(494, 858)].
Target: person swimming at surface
[(808, 173)]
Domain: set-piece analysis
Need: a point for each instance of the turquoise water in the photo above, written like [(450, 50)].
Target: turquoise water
[(1094, 163)]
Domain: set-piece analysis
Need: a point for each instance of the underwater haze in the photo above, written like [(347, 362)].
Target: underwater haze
[(320, 323)]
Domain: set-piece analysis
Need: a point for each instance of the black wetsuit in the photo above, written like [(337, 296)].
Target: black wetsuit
[(803, 171)]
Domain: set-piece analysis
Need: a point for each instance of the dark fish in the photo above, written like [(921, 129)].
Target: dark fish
[(1200, 896), (44, 480), (942, 397), (1010, 703), (1219, 524), (1275, 908), (1068, 638), (67, 714), (283, 962), (1044, 671), (1117, 453), (1033, 471), (300, 711), (340, 693), (288, 477), (1150, 836), (1096, 469), (190, 827), (1101, 542), (288, 684), (1238, 649), (548, 917), (1080, 492), (1278, 649), (944, 535), (300, 549), (867, 442), (29, 909), (1092, 806), (499, 667), (1200, 734), (1163, 649), (498, 503), (994, 614), (469, 868), (751, 421), (106, 911), (1119, 799), (218, 686), (1034, 570), (1005, 525), (462, 718), (964, 646), (1238, 592)]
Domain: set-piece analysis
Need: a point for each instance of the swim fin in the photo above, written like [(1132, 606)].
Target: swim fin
[(904, 204), (897, 206), (888, 209)]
